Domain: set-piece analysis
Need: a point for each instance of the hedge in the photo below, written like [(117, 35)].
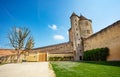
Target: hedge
[(99, 54), (65, 58)]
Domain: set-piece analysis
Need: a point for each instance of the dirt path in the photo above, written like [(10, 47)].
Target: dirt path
[(31, 69)]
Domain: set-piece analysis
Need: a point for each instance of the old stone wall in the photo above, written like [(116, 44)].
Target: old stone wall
[(58, 48), (85, 28), (108, 37)]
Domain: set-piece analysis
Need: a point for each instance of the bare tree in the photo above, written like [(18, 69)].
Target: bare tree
[(29, 45), (20, 39)]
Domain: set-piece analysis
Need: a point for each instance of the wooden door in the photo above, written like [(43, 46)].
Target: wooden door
[(42, 57)]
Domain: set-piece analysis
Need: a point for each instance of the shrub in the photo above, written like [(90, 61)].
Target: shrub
[(65, 58), (96, 54)]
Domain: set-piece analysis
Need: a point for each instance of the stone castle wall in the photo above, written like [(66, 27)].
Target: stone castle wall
[(81, 28), (55, 49), (108, 37), (59, 50)]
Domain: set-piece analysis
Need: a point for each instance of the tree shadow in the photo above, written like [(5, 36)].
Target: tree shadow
[(108, 63)]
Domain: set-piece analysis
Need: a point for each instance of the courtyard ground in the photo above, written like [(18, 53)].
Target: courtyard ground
[(28, 69), (86, 69)]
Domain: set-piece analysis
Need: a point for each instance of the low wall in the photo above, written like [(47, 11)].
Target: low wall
[(59, 55), (31, 58)]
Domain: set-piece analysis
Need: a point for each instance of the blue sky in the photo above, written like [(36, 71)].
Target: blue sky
[(49, 20)]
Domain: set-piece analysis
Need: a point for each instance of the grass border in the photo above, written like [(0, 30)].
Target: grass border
[(51, 70)]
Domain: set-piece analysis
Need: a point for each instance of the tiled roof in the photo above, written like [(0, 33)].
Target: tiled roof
[(84, 18), (73, 14), (6, 52)]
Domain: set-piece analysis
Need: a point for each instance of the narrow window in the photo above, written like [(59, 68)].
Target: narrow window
[(88, 31), (77, 34), (76, 29), (75, 20), (75, 23)]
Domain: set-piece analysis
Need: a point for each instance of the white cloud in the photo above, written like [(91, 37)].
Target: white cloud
[(58, 37), (53, 27)]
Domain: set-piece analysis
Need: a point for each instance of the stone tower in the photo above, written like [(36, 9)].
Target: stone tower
[(80, 29)]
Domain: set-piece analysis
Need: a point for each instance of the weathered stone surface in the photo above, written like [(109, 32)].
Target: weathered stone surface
[(107, 37), (81, 38)]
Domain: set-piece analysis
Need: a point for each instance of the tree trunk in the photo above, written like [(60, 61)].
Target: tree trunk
[(18, 56)]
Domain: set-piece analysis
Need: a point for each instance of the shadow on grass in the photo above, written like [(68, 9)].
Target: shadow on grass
[(109, 63)]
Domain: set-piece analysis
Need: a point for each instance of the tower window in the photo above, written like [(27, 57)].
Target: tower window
[(88, 31), (77, 34), (75, 20), (75, 23), (76, 29)]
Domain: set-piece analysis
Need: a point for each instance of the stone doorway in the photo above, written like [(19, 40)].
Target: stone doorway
[(80, 57)]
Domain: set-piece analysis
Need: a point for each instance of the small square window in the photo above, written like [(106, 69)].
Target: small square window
[(75, 23), (76, 29), (88, 31)]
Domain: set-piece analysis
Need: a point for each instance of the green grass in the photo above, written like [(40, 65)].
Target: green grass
[(86, 69)]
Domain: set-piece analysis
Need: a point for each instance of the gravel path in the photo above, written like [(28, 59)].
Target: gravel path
[(30, 69)]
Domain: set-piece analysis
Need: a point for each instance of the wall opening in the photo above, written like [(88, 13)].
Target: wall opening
[(80, 57)]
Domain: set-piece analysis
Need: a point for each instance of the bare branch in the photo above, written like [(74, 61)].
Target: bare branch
[(18, 38)]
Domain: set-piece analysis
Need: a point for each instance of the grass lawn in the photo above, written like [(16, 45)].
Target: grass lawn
[(86, 69)]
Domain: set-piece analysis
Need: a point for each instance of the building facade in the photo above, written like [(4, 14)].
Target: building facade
[(107, 37), (81, 38), (80, 29)]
